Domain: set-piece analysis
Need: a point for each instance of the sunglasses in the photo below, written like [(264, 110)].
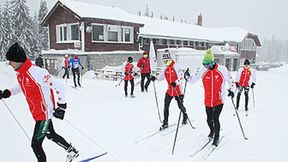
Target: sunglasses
[(209, 65)]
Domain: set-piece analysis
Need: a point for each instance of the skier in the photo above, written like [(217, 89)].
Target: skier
[(174, 78), (75, 63), (213, 77), (243, 77), (66, 67), (144, 65), (39, 61), (128, 73), (35, 83)]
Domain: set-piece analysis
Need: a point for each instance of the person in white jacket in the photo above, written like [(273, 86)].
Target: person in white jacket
[(37, 86)]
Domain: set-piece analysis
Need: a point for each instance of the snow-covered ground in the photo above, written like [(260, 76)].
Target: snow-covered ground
[(99, 118)]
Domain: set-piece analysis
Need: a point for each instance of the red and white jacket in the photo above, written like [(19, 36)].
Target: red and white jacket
[(144, 65), (214, 84), (172, 73), (35, 83), (129, 69), (243, 76)]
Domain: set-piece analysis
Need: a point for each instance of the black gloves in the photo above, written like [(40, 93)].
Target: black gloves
[(252, 85), (173, 84), (135, 74), (153, 78), (230, 93), (82, 68), (60, 111), (5, 94), (186, 74), (142, 66), (125, 73), (237, 84)]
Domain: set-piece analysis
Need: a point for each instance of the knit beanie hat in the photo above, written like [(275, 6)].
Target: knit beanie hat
[(130, 59), (166, 55), (208, 57), (246, 62), (16, 53)]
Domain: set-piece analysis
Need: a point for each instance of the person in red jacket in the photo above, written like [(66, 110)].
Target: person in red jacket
[(244, 77), (35, 83), (213, 77), (128, 76), (66, 67), (144, 65), (174, 77)]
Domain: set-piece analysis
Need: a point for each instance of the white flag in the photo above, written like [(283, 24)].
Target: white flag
[(153, 59)]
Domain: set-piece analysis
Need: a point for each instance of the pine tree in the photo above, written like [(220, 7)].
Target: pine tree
[(1, 35), (24, 28), (43, 31), (8, 36)]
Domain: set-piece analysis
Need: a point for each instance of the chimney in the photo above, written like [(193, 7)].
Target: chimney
[(199, 22)]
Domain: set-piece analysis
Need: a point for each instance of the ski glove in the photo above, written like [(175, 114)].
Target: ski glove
[(82, 68), (60, 111), (135, 74), (5, 94), (186, 74), (237, 84), (252, 85), (153, 78), (173, 84), (230, 93)]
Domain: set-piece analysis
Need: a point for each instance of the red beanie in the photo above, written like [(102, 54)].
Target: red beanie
[(75, 57)]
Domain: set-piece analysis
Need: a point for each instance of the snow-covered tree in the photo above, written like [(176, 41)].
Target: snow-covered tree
[(1, 35), (43, 31), (8, 36), (23, 27)]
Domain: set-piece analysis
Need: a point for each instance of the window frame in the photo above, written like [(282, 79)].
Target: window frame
[(60, 34)]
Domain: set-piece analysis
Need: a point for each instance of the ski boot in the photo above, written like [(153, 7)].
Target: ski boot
[(211, 134), (72, 153), (216, 141), (185, 117), (164, 126)]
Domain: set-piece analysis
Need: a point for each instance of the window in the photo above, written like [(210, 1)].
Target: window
[(126, 34), (112, 33), (163, 41), (171, 41), (98, 33), (75, 32), (67, 33)]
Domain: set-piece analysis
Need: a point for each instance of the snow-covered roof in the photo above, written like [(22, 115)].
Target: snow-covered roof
[(158, 27), (154, 27), (216, 50), (92, 10)]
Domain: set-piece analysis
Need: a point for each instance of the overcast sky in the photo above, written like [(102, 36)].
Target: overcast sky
[(263, 17)]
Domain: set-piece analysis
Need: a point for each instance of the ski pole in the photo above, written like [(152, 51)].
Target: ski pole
[(157, 102), (180, 110), (89, 138), (185, 83), (239, 119), (176, 133), (253, 97), (23, 130), (118, 84)]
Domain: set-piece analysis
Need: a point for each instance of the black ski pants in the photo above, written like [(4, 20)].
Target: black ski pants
[(45, 128), (143, 76), (246, 93), (126, 85), (66, 73), (213, 114), (167, 102), (76, 71)]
